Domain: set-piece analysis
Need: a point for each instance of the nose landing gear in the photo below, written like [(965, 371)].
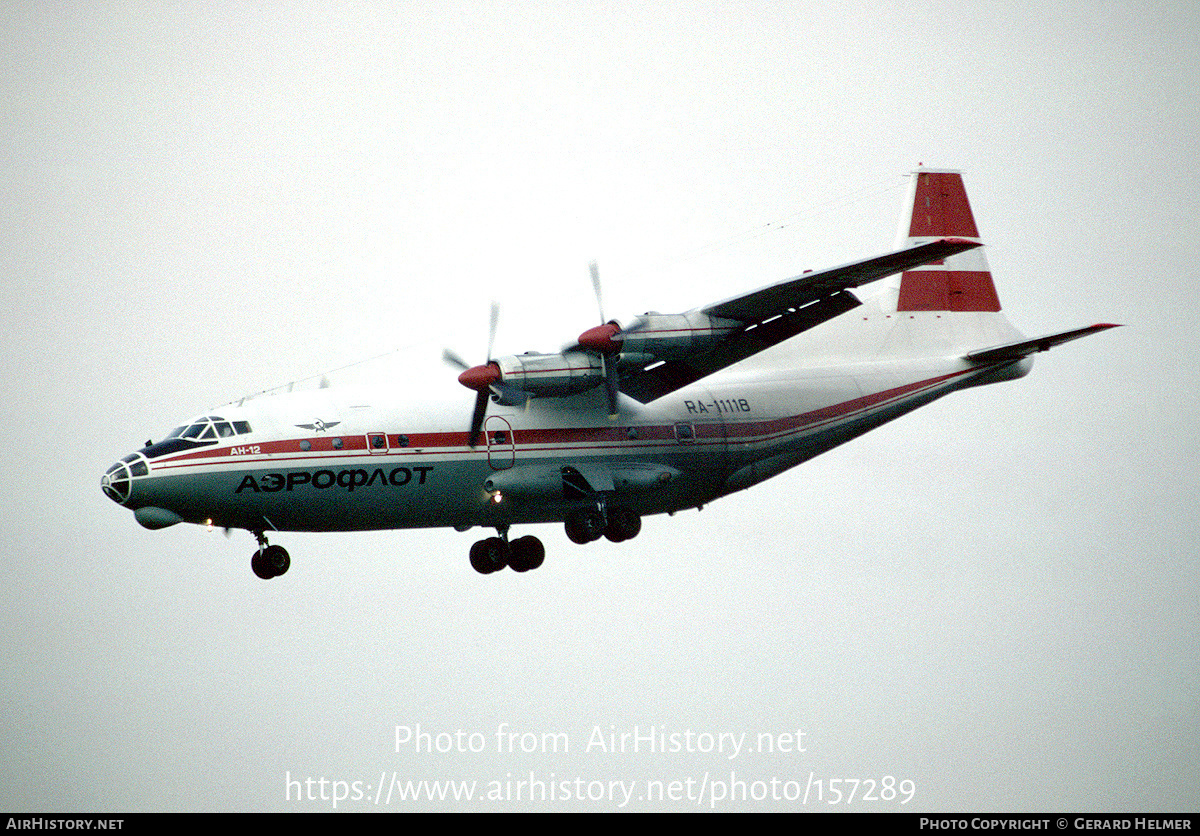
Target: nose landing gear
[(269, 561)]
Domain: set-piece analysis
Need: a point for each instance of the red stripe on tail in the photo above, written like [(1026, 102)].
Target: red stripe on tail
[(962, 282), (947, 290), (940, 207)]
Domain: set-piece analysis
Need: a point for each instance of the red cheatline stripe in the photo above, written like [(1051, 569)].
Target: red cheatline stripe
[(592, 438)]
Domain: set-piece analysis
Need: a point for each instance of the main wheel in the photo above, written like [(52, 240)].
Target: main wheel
[(489, 555), (584, 526), (527, 553), (623, 524)]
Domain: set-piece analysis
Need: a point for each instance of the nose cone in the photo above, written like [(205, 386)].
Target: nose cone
[(115, 483), (118, 485), (480, 378), (600, 338)]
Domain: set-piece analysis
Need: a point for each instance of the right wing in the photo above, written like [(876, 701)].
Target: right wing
[(778, 312)]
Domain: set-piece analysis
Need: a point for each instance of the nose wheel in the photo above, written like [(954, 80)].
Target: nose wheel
[(269, 561)]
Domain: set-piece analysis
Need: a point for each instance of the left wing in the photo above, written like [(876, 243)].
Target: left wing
[(772, 314)]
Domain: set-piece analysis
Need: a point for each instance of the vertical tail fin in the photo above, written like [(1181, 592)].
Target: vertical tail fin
[(963, 282)]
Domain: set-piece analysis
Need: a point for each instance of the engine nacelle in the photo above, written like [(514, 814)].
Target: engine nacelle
[(551, 375), (663, 336)]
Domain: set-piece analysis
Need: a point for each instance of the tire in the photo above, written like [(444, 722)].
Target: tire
[(260, 567), (527, 553), (277, 560), (584, 526), (490, 555), (623, 524), (479, 560)]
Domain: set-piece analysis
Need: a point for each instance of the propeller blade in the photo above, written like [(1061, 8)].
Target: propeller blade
[(595, 271), (612, 383), (493, 321), (477, 417), (483, 379), (454, 360)]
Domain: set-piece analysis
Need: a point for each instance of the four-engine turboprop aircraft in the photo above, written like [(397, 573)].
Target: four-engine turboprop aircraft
[(668, 412)]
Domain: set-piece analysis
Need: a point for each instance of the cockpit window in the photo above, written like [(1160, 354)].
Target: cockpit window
[(200, 433), (194, 431), (210, 427)]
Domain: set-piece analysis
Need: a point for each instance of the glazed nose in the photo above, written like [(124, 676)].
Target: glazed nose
[(115, 482)]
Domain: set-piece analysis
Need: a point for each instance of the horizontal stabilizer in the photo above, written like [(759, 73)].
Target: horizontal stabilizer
[(1015, 351)]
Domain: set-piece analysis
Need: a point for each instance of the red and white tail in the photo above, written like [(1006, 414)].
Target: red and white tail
[(958, 292), (938, 208)]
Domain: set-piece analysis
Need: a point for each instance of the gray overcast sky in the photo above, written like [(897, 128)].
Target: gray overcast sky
[(995, 597)]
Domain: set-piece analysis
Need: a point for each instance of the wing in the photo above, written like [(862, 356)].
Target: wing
[(772, 314)]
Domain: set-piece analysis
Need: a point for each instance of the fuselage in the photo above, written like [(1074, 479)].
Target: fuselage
[(354, 459)]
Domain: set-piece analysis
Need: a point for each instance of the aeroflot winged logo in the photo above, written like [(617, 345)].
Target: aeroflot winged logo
[(319, 425)]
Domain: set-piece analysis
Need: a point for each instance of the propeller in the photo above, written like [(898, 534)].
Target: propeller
[(483, 379), (600, 340)]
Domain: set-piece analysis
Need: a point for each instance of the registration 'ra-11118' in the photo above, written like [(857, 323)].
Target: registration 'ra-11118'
[(650, 415)]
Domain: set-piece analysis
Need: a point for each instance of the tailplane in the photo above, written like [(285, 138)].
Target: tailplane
[(959, 288), (1023, 348)]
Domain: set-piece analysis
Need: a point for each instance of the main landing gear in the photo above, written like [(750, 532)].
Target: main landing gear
[(494, 553), (269, 561), (618, 525), (525, 553)]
